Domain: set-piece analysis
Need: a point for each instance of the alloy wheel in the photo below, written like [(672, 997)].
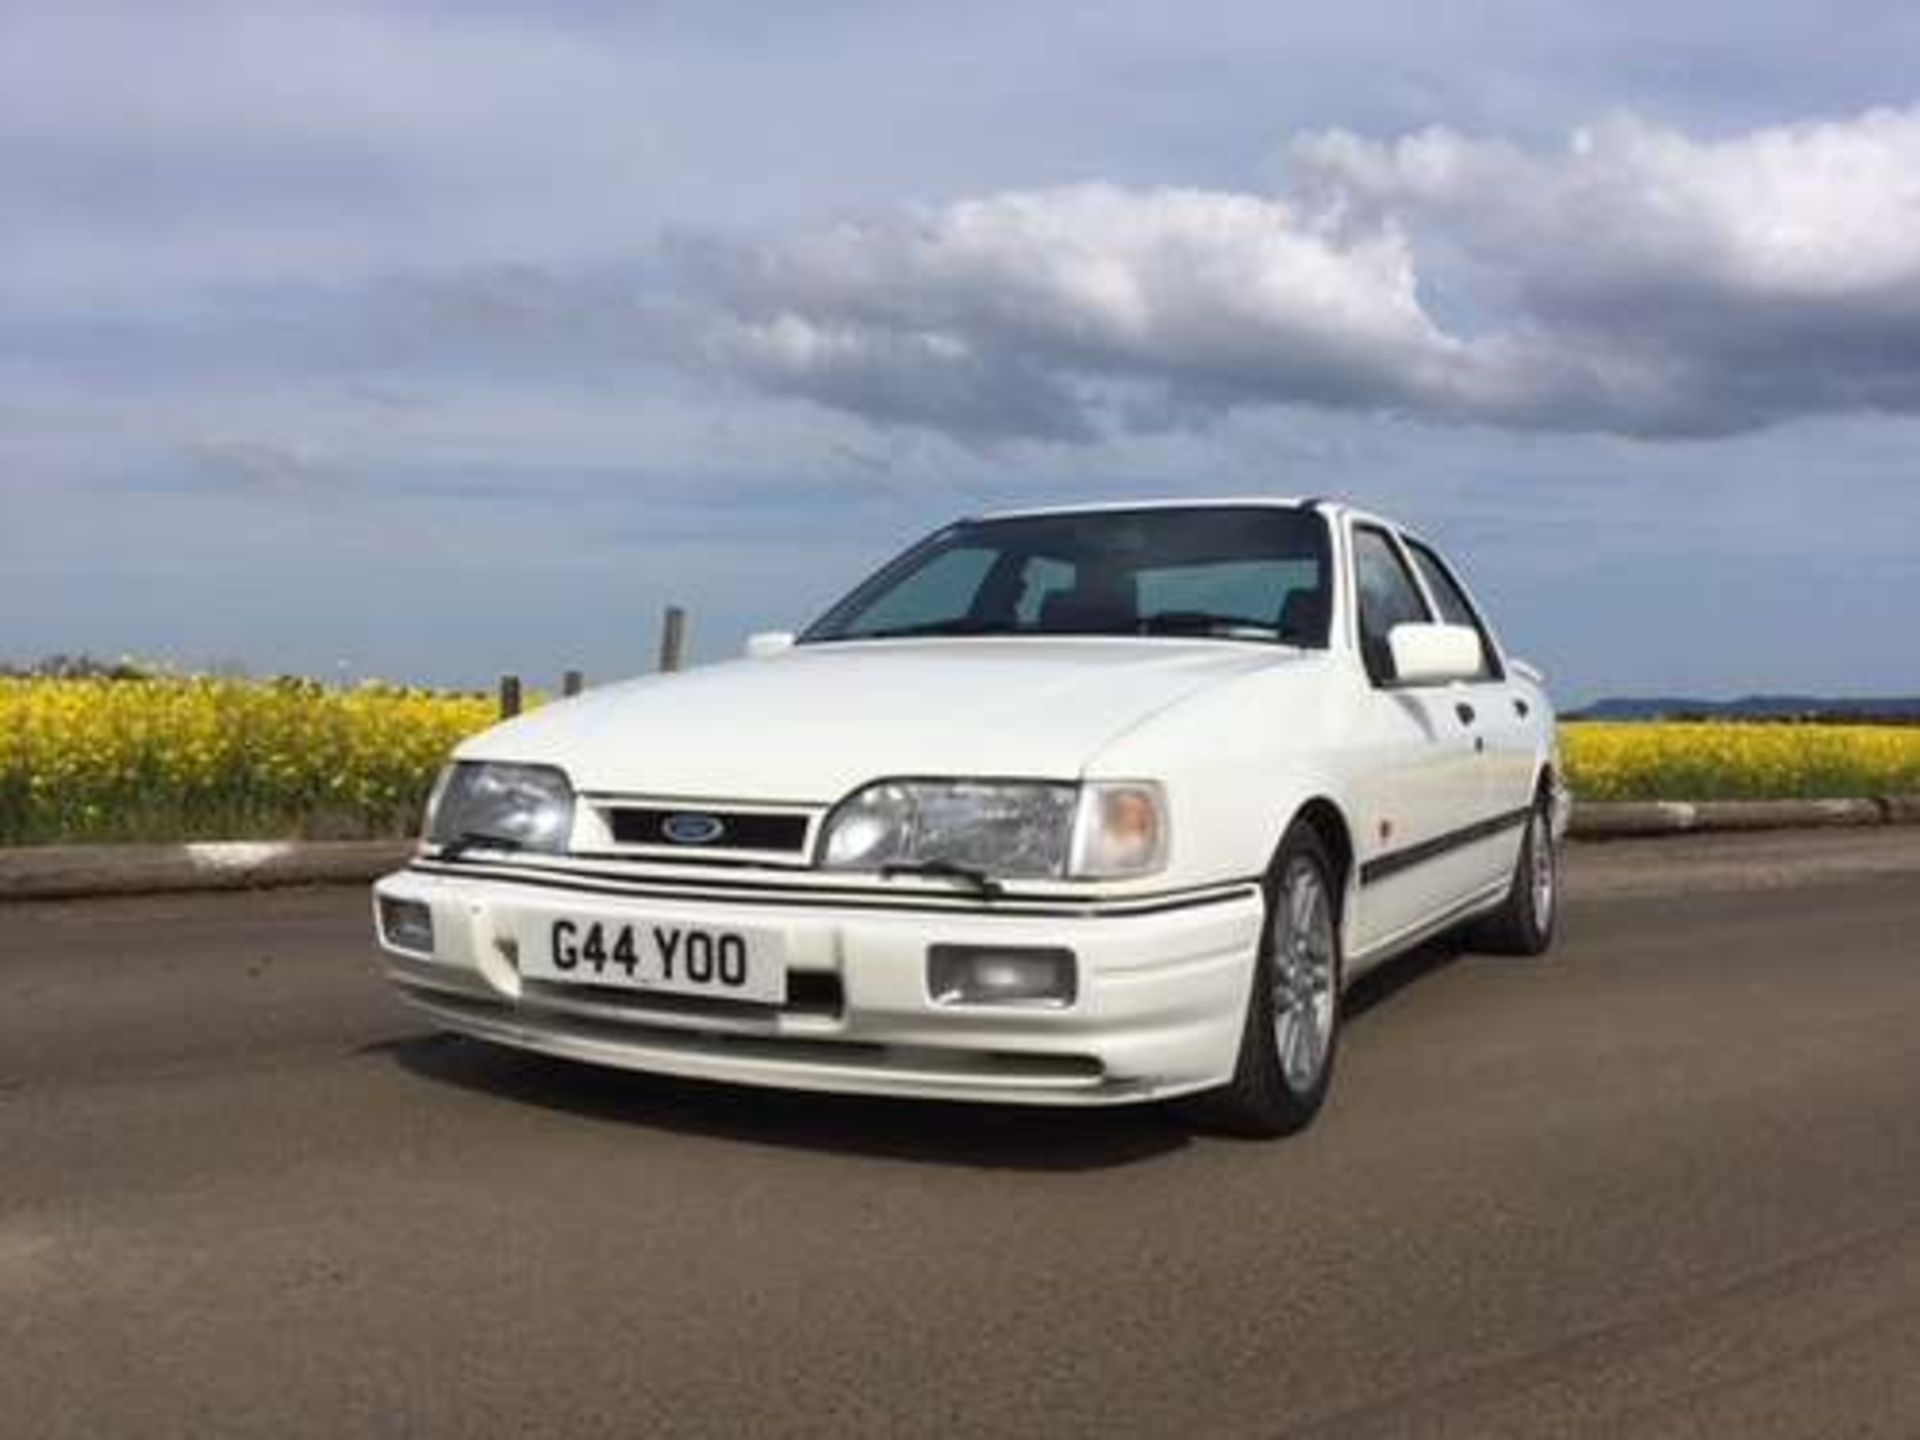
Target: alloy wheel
[(1544, 880), (1304, 977)]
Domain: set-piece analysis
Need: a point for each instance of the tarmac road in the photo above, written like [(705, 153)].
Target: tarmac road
[(1665, 1183)]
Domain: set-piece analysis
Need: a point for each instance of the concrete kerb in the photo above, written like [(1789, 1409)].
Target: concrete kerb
[(1623, 819), (58, 872)]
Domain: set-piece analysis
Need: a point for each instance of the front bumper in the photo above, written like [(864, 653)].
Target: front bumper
[(1159, 1010)]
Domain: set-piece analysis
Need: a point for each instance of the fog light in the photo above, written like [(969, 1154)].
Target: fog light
[(1000, 975), (407, 925)]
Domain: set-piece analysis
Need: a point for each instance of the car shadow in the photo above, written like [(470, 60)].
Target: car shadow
[(929, 1132), (1380, 985)]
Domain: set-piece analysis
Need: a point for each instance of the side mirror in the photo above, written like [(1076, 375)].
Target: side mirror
[(768, 642), (1435, 654)]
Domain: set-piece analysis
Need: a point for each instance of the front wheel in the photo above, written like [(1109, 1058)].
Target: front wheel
[(1293, 1008), (1525, 922)]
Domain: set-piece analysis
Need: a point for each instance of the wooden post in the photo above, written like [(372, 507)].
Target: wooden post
[(509, 696), (673, 637), (572, 683)]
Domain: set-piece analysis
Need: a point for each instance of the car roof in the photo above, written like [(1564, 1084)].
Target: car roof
[(1336, 511), (1170, 502)]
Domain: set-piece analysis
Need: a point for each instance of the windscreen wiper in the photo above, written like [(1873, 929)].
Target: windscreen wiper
[(457, 848), (1205, 622), (932, 628), (944, 870)]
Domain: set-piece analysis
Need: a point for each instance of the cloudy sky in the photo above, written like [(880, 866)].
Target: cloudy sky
[(431, 342)]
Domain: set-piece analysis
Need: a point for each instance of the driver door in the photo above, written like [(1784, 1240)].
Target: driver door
[(1422, 767)]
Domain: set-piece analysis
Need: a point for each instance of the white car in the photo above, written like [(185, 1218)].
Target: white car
[(1076, 806)]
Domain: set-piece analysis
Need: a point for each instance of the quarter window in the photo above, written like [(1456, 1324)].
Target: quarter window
[(1452, 601), (1387, 596)]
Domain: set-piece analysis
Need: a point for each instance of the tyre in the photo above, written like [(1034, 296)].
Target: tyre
[(1524, 923), (1293, 1006)]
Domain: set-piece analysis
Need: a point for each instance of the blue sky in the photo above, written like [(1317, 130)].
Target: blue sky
[(431, 342)]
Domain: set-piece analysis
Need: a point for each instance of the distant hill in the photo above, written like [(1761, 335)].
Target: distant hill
[(1900, 709)]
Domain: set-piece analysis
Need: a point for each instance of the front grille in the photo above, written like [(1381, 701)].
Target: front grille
[(730, 829)]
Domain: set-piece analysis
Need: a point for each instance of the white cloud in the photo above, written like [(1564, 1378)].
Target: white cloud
[(1019, 298), (1635, 281), (1818, 211)]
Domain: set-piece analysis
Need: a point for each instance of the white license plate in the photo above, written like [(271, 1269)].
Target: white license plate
[(721, 961)]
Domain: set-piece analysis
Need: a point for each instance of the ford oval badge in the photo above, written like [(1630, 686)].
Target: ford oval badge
[(693, 829)]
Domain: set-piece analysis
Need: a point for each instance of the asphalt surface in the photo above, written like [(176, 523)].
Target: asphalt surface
[(1664, 1183)]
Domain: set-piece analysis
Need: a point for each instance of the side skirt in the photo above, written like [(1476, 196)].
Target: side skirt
[(1405, 940)]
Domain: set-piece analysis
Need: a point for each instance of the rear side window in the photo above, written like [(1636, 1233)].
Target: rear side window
[(1455, 608), (1387, 597)]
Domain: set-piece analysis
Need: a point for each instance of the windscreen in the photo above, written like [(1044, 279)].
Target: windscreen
[(1251, 572)]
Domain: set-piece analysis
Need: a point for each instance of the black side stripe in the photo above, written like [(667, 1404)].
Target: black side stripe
[(1382, 867), (658, 881), (927, 905)]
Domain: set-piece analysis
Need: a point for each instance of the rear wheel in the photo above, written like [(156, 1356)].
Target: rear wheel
[(1293, 1008), (1524, 924)]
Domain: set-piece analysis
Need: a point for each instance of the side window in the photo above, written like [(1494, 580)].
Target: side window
[(1452, 600), (1387, 597)]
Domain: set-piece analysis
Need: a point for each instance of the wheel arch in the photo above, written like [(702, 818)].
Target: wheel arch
[(1550, 785), (1329, 822)]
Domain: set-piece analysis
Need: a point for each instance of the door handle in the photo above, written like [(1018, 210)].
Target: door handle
[(1522, 709), (1465, 711)]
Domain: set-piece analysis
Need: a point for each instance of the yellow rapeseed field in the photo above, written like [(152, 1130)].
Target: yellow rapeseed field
[(1727, 760), (197, 758)]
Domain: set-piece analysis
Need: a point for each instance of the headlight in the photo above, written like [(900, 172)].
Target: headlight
[(519, 807), (1015, 829)]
